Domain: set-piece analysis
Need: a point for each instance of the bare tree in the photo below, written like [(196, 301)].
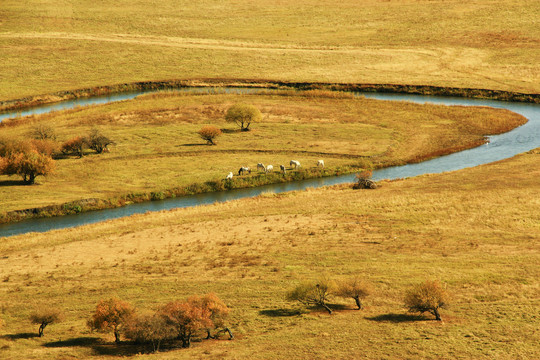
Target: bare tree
[(429, 296)]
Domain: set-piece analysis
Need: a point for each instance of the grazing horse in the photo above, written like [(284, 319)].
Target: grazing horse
[(296, 163), (243, 170), (269, 168), (229, 176), (282, 168), (320, 163), (261, 167)]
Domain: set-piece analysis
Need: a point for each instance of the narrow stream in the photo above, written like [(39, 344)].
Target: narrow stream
[(500, 147)]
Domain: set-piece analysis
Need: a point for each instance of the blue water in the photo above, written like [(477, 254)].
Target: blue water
[(500, 147)]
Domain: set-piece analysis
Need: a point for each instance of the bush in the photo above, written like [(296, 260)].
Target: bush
[(363, 180), (112, 314), (75, 146), (98, 142), (243, 115), (354, 288), (429, 296), (209, 133), (150, 329), (46, 316), (313, 293), (46, 147), (43, 132)]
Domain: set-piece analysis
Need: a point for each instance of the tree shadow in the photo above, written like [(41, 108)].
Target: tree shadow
[(282, 312), (397, 318), (19, 336), (195, 144), (80, 341), (12, 183), (230, 131)]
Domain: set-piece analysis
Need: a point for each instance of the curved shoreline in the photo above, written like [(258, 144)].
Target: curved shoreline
[(38, 100)]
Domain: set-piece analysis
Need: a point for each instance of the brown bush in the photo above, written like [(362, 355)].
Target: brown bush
[(28, 164), (313, 293), (46, 316), (43, 132), (429, 296), (98, 142), (209, 133), (46, 147), (150, 328), (354, 288), (75, 146), (112, 314)]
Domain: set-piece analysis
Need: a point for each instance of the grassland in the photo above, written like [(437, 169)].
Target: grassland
[(492, 44), (477, 230), (157, 148)]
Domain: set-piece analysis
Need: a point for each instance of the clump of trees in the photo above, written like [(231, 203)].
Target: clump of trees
[(46, 316), (209, 134), (29, 159), (94, 141), (429, 296), (243, 115), (176, 320), (318, 293)]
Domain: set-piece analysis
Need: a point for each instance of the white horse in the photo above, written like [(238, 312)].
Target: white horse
[(243, 170), (282, 168), (269, 168), (320, 163), (229, 176), (261, 167), (296, 163)]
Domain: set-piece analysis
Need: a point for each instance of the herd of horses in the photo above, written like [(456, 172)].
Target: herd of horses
[(294, 164)]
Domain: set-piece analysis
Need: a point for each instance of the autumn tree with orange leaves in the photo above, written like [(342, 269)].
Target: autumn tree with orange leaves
[(112, 314)]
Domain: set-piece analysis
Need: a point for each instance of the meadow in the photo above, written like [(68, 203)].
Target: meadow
[(157, 148), (492, 44), (473, 229)]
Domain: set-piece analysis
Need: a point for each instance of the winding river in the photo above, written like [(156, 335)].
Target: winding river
[(500, 147)]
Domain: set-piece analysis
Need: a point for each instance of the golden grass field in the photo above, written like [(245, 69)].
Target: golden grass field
[(48, 46), (476, 230), (157, 146)]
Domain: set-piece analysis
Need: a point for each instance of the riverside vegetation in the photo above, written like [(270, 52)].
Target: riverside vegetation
[(473, 230), (158, 153)]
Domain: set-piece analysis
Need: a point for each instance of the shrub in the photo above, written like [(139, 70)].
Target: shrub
[(43, 132), (98, 142), (75, 146), (150, 328), (209, 133), (313, 293), (46, 146), (353, 288), (363, 180), (46, 316), (243, 115), (218, 312), (429, 296), (112, 314)]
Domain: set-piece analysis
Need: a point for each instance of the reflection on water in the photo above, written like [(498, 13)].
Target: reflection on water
[(500, 147)]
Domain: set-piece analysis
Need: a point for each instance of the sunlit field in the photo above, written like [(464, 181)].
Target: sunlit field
[(48, 46)]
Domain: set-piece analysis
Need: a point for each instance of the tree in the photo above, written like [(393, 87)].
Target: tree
[(187, 318), (112, 314), (150, 328), (98, 142), (313, 293), (46, 316), (209, 133), (29, 165), (218, 313), (353, 288), (429, 296), (363, 181), (43, 132), (243, 115), (75, 146)]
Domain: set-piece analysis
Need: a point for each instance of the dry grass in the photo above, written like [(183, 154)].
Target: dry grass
[(157, 146), (481, 44), (476, 230)]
